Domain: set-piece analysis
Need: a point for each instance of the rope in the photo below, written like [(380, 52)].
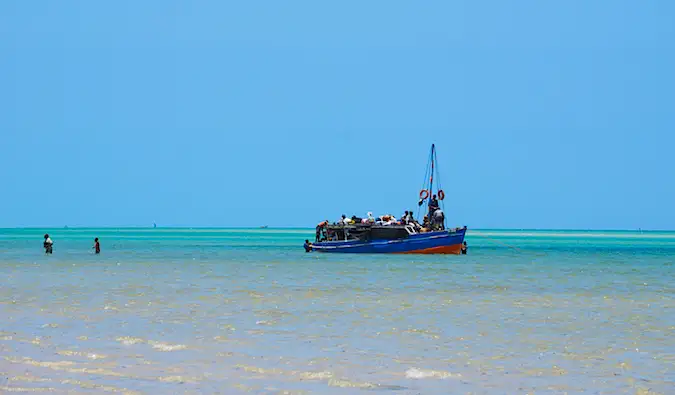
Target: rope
[(426, 178), (438, 176)]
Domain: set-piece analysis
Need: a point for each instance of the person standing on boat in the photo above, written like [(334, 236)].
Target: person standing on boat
[(433, 206), (319, 228), (48, 244), (438, 220)]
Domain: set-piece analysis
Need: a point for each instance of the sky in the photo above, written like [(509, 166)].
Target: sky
[(226, 114)]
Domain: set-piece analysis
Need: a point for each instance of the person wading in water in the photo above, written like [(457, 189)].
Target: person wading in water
[(48, 244), (97, 246)]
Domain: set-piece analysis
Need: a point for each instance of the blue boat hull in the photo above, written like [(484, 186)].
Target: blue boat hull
[(442, 242)]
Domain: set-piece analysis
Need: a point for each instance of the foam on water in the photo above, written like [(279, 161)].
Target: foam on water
[(415, 373), (167, 347)]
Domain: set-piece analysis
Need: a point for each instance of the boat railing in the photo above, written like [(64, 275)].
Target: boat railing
[(410, 229)]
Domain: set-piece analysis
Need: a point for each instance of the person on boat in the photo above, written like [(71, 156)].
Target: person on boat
[(438, 220), (344, 220), (319, 229), (433, 206), (371, 219), (356, 220), (404, 218), (97, 246), (464, 248), (411, 221), (48, 244), (308, 246), (425, 224)]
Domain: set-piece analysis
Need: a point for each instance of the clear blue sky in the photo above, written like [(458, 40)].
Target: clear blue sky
[(213, 113)]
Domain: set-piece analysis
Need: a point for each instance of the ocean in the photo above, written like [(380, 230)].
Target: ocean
[(239, 311)]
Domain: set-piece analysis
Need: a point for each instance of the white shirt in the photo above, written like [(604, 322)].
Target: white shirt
[(49, 241)]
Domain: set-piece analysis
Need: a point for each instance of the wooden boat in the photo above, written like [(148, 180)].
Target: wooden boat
[(439, 242), (369, 237)]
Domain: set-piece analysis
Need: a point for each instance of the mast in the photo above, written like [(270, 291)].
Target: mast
[(431, 177), (432, 170), (428, 183)]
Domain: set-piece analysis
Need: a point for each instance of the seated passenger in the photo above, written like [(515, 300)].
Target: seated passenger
[(371, 219), (404, 218)]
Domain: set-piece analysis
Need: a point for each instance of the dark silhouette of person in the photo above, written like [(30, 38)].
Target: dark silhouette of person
[(48, 244), (433, 206)]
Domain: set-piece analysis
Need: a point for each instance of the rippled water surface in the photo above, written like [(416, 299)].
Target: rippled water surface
[(247, 311)]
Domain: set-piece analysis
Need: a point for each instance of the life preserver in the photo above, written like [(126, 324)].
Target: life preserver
[(424, 194), (441, 195)]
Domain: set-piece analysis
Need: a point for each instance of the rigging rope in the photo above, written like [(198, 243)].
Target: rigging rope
[(438, 176), (426, 178)]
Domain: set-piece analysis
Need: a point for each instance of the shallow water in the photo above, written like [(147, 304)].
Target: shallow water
[(247, 311)]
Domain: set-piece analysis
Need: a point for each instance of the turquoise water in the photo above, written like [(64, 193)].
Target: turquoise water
[(247, 311)]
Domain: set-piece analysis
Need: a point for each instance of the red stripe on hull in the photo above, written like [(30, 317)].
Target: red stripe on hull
[(453, 249)]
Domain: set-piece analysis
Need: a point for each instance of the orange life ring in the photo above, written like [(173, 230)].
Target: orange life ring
[(424, 194), (441, 195)]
